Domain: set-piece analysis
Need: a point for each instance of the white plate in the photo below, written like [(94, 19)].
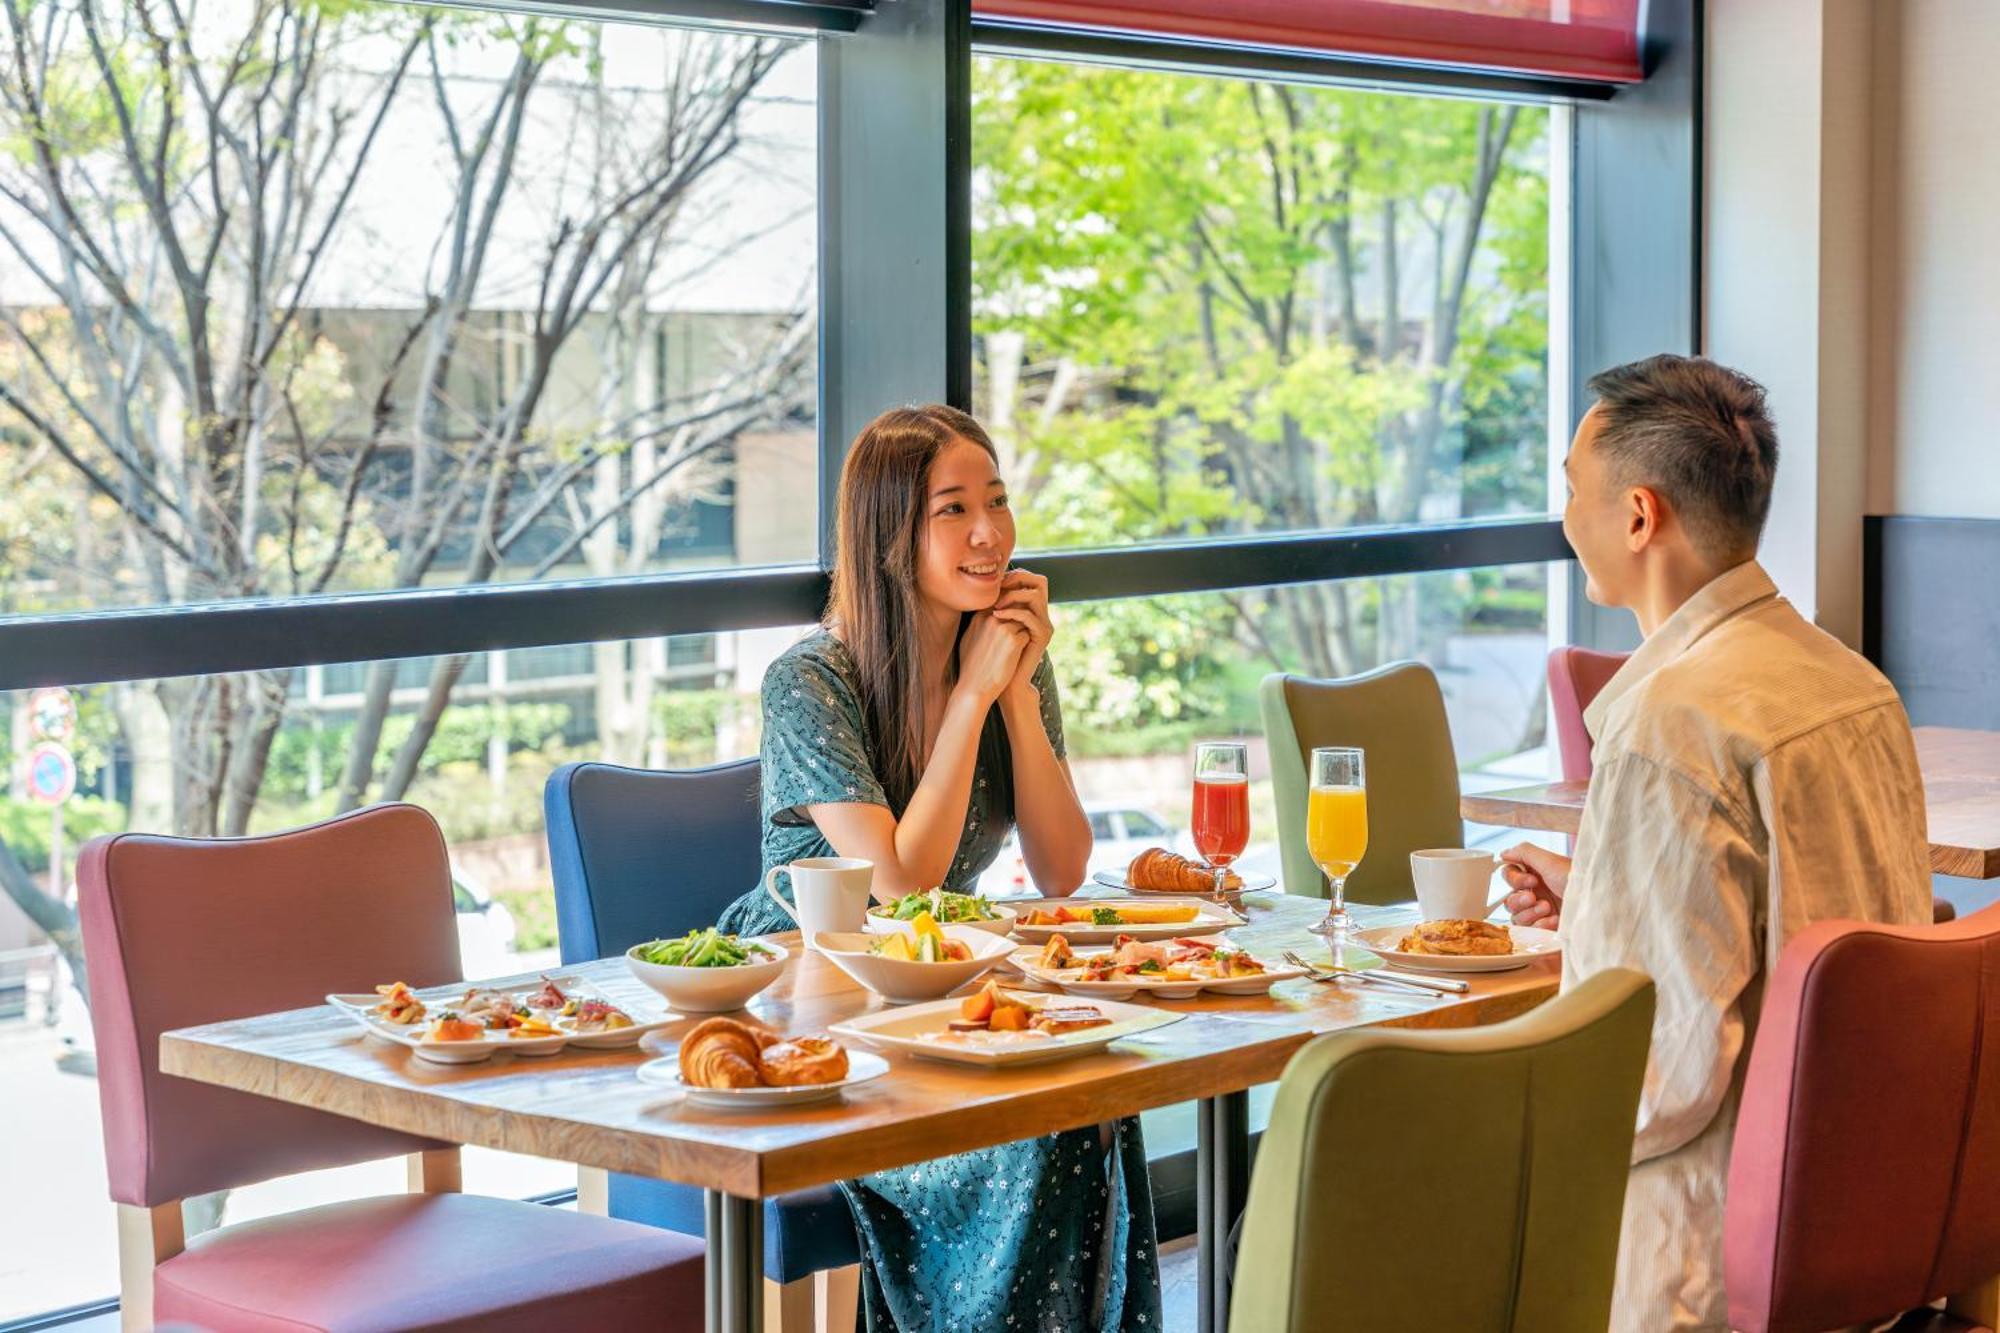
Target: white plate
[(666, 1071), (356, 1007), (1027, 961), (1115, 879), (1209, 919), (923, 1030), (1530, 943)]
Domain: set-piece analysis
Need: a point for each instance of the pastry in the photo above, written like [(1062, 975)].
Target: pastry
[(723, 1053), (1157, 870), (398, 1005), (1458, 939), (800, 1060)]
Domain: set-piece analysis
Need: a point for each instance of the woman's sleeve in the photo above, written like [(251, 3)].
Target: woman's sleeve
[(1044, 681), (812, 750)]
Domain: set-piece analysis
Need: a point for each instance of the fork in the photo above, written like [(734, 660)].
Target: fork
[(1422, 985)]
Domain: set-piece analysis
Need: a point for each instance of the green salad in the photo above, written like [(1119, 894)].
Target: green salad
[(945, 908), (703, 948)]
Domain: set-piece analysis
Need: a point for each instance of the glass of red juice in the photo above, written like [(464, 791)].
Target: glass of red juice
[(1221, 823)]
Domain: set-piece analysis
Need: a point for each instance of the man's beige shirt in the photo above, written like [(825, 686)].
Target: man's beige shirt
[(1751, 776)]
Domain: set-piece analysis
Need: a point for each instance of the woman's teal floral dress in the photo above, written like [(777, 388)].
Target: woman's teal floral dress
[(1050, 1235)]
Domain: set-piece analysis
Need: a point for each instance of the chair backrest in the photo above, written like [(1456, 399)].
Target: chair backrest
[(1575, 677), (185, 931), (639, 854), (1470, 1180), (1396, 714), (1869, 1130)]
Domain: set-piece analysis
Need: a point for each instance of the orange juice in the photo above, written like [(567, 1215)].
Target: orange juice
[(1337, 828)]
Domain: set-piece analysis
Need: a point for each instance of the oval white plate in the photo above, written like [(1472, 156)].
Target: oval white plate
[(666, 1072), (1530, 943), (1025, 961), (924, 1030), (1209, 919)]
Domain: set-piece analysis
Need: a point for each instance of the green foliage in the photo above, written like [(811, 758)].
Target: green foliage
[(25, 827), (534, 913), (461, 738), (688, 720)]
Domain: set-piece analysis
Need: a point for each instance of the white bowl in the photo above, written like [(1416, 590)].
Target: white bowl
[(708, 990), (999, 925), (905, 982)]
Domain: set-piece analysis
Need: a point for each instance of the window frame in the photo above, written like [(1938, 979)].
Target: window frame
[(895, 243)]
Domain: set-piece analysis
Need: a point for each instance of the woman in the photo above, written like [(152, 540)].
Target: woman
[(917, 727)]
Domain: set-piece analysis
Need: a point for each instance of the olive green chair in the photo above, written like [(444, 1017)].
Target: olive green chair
[(1470, 1179), (1394, 714)]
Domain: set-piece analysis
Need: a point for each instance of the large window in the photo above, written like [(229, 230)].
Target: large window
[(299, 298), (1336, 316)]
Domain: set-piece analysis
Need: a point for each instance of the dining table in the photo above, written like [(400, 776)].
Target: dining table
[(1961, 773), (589, 1108)]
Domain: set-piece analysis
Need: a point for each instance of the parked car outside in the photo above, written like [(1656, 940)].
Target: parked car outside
[(485, 931), (1118, 833)]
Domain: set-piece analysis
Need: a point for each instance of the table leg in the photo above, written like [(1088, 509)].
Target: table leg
[(734, 1270), (1222, 1175)]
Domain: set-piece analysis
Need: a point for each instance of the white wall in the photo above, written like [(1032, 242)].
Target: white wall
[(1786, 274), (1935, 293)]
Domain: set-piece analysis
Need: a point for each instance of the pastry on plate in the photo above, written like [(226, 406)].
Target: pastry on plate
[(723, 1053), (1458, 939), (1158, 870), (799, 1060)]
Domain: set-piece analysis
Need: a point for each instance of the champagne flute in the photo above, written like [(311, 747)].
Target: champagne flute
[(1337, 832), (1221, 823)]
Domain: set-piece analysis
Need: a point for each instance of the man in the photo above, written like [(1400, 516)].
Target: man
[(1751, 776)]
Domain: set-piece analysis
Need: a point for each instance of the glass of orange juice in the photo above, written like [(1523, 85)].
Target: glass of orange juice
[(1337, 831)]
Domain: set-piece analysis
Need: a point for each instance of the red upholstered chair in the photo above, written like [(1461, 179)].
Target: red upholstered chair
[(1860, 1186), (1575, 677), (182, 931)]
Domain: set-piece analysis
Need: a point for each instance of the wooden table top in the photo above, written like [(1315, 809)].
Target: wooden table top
[(1961, 797), (586, 1107)]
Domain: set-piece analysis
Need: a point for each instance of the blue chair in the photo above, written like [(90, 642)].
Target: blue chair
[(638, 855)]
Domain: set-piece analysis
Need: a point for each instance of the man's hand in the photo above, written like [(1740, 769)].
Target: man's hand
[(1537, 877)]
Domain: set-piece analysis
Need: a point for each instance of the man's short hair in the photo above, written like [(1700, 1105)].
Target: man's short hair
[(1701, 435)]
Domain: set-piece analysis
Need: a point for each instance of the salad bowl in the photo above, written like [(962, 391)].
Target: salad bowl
[(906, 980), (721, 977)]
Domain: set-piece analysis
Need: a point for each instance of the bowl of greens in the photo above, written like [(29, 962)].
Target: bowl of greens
[(706, 971), (947, 909)]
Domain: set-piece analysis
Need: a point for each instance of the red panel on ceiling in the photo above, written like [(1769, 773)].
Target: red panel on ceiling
[(1581, 39)]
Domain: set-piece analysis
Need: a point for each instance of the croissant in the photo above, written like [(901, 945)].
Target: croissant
[(1160, 871), (723, 1053), (803, 1060)]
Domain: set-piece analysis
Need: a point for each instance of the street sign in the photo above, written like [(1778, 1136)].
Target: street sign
[(51, 773), (52, 714)]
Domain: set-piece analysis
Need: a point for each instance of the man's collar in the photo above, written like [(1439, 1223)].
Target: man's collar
[(1723, 596)]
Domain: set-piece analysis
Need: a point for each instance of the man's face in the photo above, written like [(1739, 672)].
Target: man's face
[(1598, 519)]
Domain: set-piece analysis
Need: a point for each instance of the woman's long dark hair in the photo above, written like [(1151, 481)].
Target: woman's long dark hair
[(874, 607)]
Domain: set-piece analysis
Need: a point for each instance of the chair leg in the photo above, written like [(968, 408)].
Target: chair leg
[(147, 1238), (438, 1171), (788, 1306), (1980, 1305), (839, 1298), (593, 1191)]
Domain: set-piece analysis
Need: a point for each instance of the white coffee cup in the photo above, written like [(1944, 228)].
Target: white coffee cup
[(831, 892), (1452, 883)]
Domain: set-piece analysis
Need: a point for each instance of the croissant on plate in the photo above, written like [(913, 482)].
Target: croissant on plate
[(1160, 871), (723, 1053), (798, 1060)]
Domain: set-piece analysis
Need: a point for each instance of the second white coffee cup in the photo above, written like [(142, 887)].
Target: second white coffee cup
[(828, 892), (1454, 883)]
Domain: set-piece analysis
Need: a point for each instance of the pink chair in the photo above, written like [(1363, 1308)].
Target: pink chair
[(1860, 1186), (183, 931), (1575, 677)]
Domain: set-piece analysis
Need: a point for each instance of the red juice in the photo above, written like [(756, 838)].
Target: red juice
[(1221, 818)]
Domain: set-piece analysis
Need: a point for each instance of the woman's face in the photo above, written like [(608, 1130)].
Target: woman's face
[(967, 535)]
